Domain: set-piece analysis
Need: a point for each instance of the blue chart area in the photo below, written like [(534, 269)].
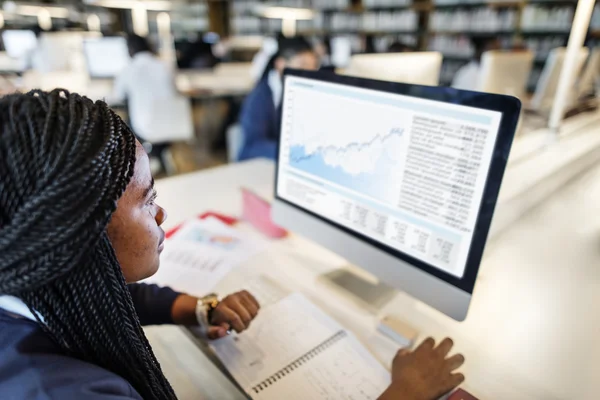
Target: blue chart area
[(370, 168)]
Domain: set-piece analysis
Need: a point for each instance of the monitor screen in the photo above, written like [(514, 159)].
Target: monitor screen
[(403, 172), (106, 57), (19, 43)]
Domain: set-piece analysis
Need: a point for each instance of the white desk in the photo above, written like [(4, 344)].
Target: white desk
[(213, 83), (532, 329), (195, 84)]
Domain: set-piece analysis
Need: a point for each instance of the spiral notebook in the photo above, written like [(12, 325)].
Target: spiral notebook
[(293, 350)]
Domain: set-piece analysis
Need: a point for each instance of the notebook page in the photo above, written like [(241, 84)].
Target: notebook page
[(343, 371), (280, 334)]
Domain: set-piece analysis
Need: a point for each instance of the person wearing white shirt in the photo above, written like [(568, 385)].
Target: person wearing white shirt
[(467, 77), (143, 80)]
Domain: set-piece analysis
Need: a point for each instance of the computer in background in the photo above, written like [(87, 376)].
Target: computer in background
[(421, 68), (61, 51), (505, 72), (545, 91), (106, 57), (400, 180), (19, 43)]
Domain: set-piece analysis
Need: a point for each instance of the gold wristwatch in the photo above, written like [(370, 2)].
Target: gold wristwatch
[(204, 309)]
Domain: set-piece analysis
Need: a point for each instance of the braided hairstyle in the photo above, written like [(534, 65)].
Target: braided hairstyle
[(64, 163)]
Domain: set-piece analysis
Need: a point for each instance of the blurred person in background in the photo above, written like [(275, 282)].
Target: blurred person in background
[(399, 47), (369, 44), (259, 117), (145, 79), (323, 50), (197, 53), (263, 56), (467, 77)]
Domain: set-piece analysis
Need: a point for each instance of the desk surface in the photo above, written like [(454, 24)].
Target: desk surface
[(531, 331), (194, 84)]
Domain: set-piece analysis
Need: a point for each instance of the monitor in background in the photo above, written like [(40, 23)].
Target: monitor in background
[(19, 43), (545, 90), (420, 68), (106, 57), (401, 180), (505, 72), (61, 51)]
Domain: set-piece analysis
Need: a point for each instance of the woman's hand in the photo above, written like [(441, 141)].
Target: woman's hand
[(426, 373), (235, 311)]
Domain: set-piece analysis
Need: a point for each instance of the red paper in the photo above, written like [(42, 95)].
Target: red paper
[(257, 212), (223, 218)]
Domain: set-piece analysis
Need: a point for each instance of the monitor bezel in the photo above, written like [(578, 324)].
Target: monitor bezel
[(508, 106)]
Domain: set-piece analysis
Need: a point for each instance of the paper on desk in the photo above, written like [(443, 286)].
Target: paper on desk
[(201, 253), (294, 332)]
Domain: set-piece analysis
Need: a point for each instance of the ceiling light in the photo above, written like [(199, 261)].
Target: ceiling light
[(34, 11), (131, 4)]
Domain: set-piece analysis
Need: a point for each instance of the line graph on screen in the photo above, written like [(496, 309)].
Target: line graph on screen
[(365, 167)]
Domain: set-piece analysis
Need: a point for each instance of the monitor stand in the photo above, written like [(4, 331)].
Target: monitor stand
[(371, 293)]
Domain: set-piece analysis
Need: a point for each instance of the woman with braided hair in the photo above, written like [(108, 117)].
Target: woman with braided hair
[(79, 225), (78, 222)]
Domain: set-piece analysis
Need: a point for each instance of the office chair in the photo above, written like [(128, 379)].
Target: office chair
[(505, 72), (586, 85), (545, 90), (171, 121)]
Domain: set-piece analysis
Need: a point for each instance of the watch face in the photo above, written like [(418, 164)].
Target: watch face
[(211, 300)]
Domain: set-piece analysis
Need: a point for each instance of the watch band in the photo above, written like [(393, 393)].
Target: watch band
[(202, 314), (204, 309)]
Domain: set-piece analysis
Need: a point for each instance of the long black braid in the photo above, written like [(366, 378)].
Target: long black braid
[(64, 163)]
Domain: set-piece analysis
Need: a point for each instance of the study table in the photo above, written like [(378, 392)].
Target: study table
[(197, 85), (524, 338)]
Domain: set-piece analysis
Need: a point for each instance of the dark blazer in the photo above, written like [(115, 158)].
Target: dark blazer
[(33, 367), (260, 123)]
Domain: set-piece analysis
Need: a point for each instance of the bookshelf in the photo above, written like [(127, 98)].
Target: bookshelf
[(439, 25)]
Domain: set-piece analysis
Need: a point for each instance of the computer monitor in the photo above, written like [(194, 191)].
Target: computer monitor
[(19, 43), (421, 68), (61, 51), (401, 180), (505, 72), (545, 89), (106, 57)]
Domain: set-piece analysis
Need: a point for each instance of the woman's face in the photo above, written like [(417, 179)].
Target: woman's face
[(134, 229), (307, 60)]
